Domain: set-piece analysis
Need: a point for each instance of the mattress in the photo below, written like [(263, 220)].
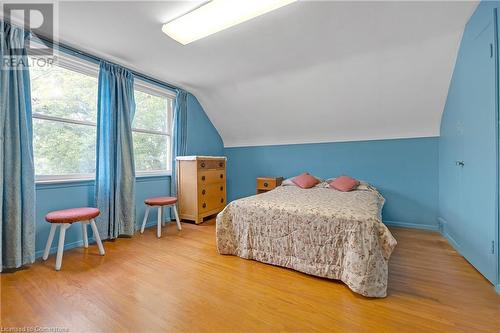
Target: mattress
[(318, 231)]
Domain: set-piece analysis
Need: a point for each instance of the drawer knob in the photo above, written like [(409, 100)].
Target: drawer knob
[(221, 164), (203, 178), (222, 188), (202, 164), (204, 205), (203, 192), (222, 200), (266, 184), (221, 176)]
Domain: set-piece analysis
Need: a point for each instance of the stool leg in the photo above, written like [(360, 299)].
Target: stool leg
[(158, 224), (60, 247), (163, 216), (49, 241), (97, 237), (177, 220), (145, 219), (84, 235)]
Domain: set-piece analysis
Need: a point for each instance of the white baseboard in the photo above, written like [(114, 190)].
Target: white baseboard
[(400, 224)]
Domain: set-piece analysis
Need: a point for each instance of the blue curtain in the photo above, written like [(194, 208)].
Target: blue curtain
[(115, 169), (179, 134), (17, 176)]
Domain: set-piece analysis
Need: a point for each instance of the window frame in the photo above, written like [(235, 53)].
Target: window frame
[(75, 64), (151, 89), (85, 67)]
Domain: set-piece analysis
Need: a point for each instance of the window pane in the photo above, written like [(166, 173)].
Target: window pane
[(151, 112), (60, 92), (62, 149), (150, 152)]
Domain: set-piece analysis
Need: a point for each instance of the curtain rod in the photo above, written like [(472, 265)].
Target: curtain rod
[(97, 59)]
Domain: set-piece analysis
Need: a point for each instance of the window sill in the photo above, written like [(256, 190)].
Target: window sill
[(69, 181), (153, 174), (64, 181)]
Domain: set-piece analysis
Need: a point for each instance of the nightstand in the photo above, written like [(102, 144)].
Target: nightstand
[(265, 184)]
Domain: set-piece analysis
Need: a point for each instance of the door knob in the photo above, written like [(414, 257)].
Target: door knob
[(459, 163)]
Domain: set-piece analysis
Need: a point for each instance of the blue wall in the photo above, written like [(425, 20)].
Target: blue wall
[(202, 139), (404, 170), (468, 199)]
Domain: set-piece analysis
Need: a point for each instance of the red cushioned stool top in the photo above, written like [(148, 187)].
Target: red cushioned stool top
[(160, 201), (72, 215)]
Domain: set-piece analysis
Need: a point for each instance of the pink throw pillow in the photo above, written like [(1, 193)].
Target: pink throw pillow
[(305, 180), (344, 183)]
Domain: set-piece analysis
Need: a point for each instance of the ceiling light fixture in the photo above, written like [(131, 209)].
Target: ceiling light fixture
[(216, 16)]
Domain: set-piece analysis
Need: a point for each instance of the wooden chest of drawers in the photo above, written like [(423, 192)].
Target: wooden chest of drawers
[(201, 186)]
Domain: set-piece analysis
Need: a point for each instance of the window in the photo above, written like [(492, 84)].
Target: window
[(151, 129), (64, 106), (64, 103)]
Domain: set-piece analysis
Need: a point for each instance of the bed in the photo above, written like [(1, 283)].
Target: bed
[(317, 231)]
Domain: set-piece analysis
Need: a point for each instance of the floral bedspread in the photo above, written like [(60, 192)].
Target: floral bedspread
[(318, 231)]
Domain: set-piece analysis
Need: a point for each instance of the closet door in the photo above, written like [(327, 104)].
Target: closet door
[(478, 167)]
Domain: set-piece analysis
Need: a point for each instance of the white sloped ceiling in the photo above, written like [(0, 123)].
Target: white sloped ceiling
[(313, 71)]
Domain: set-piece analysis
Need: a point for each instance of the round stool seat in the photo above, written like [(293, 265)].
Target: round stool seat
[(160, 201), (72, 215)]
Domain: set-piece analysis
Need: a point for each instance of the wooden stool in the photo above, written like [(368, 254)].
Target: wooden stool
[(160, 202), (64, 219)]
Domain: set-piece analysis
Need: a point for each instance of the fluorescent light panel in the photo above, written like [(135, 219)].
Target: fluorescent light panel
[(218, 15)]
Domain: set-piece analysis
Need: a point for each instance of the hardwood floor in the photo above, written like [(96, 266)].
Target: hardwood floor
[(179, 283)]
